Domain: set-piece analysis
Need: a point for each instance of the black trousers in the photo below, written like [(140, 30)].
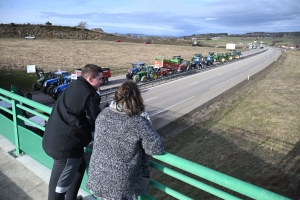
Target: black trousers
[(66, 177)]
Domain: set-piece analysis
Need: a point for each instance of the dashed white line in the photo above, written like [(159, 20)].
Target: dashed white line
[(220, 74), (150, 99), (224, 82), (171, 106), (194, 83)]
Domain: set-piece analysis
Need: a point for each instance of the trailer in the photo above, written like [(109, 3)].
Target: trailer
[(177, 64)]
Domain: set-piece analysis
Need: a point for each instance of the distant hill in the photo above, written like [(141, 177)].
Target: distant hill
[(66, 32)]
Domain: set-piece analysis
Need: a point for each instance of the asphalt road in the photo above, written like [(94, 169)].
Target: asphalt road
[(169, 101), (172, 100)]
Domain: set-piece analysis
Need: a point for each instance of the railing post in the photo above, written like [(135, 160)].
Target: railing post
[(15, 122)]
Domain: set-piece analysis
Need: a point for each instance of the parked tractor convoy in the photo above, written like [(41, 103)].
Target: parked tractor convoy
[(54, 83), (163, 67)]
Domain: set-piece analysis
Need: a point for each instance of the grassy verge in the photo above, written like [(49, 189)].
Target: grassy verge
[(251, 132)]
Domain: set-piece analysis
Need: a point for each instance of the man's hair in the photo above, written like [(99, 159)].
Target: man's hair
[(91, 70), (130, 96)]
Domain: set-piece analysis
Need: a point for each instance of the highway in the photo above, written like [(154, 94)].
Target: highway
[(169, 101)]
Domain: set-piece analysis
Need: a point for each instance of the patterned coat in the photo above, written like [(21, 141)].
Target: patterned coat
[(119, 166)]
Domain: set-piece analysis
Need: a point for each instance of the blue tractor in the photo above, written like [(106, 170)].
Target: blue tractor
[(208, 60), (197, 62), (57, 91), (136, 67), (58, 79)]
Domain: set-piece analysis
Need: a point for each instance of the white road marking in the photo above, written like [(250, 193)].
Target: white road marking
[(194, 83), (171, 106), (224, 82), (220, 74), (254, 67), (150, 99)]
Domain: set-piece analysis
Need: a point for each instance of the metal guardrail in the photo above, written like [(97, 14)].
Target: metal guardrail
[(27, 141), (162, 80)]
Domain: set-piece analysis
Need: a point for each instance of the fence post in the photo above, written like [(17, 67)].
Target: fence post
[(15, 121)]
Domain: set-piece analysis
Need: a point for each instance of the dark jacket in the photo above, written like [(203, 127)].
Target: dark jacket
[(68, 129)]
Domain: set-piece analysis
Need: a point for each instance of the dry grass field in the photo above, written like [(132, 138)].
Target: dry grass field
[(67, 54), (251, 132)]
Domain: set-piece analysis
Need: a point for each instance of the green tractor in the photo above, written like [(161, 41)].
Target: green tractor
[(237, 54), (220, 57), (229, 56), (146, 73), (41, 78)]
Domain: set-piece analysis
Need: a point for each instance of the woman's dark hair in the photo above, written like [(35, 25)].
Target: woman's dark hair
[(91, 70), (130, 96)]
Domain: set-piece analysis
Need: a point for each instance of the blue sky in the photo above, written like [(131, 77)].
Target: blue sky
[(159, 17)]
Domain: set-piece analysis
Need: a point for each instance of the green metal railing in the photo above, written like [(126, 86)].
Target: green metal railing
[(14, 128)]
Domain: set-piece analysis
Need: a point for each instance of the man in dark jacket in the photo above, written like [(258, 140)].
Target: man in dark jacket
[(69, 129)]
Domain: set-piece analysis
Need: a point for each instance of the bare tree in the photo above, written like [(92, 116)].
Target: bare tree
[(82, 24)]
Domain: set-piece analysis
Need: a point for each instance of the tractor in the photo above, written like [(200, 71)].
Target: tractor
[(183, 63), (136, 67), (41, 78), (58, 79), (196, 63), (146, 73), (220, 57), (229, 56), (237, 54), (208, 60)]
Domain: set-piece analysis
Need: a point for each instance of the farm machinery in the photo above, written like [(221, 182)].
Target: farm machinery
[(145, 74), (41, 78), (177, 64), (58, 90), (199, 61), (136, 67), (58, 79), (220, 57), (237, 54)]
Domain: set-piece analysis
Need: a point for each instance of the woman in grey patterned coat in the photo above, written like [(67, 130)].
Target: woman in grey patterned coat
[(124, 137)]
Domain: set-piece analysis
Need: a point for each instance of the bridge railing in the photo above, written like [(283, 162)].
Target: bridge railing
[(23, 130)]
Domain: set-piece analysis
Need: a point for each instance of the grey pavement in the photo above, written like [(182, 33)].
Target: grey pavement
[(23, 178)]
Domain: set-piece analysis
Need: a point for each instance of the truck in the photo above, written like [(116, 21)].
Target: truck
[(177, 64), (136, 67)]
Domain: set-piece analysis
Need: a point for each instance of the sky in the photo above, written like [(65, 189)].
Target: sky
[(159, 17)]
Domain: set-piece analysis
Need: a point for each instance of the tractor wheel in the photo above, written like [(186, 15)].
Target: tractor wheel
[(144, 78), (237, 56), (35, 87), (155, 76), (50, 90), (136, 78), (198, 66), (189, 67), (29, 96), (128, 76), (59, 94), (223, 59), (209, 64), (104, 81)]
